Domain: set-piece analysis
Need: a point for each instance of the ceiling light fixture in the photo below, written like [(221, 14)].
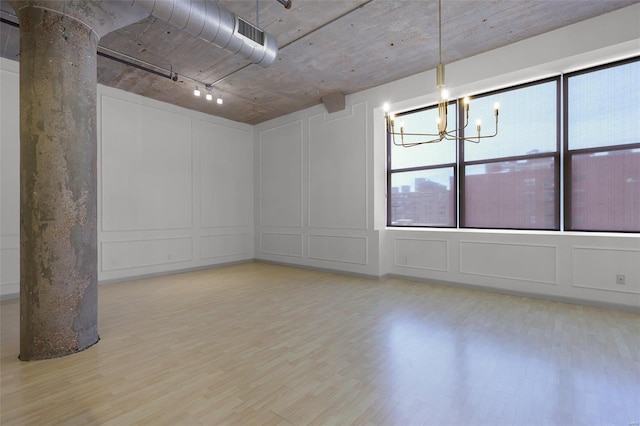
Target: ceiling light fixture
[(196, 92), (209, 96), (443, 101), (219, 101)]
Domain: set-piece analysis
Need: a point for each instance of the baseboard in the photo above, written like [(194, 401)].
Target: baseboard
[(316, 268), (9, 296), (547, 297), (12, 296), (173, 272), (551, 298)]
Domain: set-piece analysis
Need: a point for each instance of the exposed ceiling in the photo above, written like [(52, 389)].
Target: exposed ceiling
[(326, 46)]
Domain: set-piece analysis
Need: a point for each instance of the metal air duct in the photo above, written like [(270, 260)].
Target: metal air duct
[(210, 21)]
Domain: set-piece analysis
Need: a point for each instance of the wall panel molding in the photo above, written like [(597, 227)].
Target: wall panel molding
[(10, 272), (280, 179), (224, 245), (281, 244), (338, 172), (209, 231), (136, 253), (339, 248), (224, 200), (146, 167), (524, 262), (596, 268), (428, 254)]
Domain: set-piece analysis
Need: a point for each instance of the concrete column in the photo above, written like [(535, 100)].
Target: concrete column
[(58, 196), (58, 213)]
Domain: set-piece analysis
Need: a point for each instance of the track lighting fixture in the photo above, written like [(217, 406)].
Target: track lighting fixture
[(208, 95)]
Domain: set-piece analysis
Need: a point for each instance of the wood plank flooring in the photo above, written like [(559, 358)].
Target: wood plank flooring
[(265, 344)]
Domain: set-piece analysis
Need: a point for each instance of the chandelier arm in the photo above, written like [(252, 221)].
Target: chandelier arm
[(480, 137), (451, 137), (494, 134), (415, 134), (476, 140), (412, 144), (437, 140), (466, 121), (391, 131), (453, 134)]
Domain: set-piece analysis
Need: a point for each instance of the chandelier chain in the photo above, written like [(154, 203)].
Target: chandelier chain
[(440, 31)]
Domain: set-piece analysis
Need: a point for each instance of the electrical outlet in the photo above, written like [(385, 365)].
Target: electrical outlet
[(620, 279)]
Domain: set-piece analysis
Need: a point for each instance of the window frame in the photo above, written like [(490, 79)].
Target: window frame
[(562, 158), (555, 155), (570, 153), (453, 165)]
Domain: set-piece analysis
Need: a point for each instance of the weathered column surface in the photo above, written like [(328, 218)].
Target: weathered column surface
[(58, 201), (58, 255)]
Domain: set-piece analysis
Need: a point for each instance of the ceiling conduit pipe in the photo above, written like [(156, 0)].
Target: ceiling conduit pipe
[(210, 21), (285, 3)]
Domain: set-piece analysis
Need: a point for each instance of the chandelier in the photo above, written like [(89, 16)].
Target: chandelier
[(443, 95)]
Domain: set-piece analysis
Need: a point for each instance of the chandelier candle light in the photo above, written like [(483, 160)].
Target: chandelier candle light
[(443, 101)]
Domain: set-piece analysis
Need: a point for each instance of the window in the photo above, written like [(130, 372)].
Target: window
[(602, 139), (422, 179), (513, 181), (506, 180)]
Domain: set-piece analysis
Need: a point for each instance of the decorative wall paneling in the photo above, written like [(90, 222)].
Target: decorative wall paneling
[(280, 176), (226, 176), (337, 164), (10, 265), (131, 254), (576, 267), (315, 184), (525, 262), (341, 249), (224, 246), (281, 244), (9, 178), (177, 187), (146, 167), (341, 149), (317, 162), (597, 268), (422, 254)]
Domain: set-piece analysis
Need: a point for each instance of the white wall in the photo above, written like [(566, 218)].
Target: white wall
[(175, 187), (321, 183), (180, 189), (9, 178), (314, 190)]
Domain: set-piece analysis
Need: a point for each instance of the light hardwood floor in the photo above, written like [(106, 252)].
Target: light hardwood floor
[(265, 344)]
